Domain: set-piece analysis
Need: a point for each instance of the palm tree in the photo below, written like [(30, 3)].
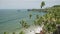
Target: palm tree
[(21, 32), (30, 15), (42, 4), (13, 32), (38, 21), (37, 16), (5, 32), (24, 24)]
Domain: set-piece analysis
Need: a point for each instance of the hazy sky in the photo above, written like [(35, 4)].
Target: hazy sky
[(26, 4)]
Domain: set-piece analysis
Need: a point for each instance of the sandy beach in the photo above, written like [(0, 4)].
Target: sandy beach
[(30, 30)]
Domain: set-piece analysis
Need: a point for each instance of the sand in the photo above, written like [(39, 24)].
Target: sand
[(30, 30)]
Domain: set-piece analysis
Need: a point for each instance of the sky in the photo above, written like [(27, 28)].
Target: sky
[(26, 4)]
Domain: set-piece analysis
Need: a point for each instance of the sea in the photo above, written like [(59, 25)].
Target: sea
[(10, 18)]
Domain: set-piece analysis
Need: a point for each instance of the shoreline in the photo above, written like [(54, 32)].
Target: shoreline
[(30, 30)]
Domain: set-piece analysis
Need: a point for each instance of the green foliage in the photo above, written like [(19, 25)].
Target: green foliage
[(56, 6), (21, 32), (30, 15), (5, 32), (38, 21), (13, 32), (24, 24), (42, 4), (37, 16), (50, 27), (50, 20)]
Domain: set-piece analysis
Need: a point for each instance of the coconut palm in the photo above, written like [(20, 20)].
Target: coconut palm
[(5, 32), (13, 32), (24, 24), (21, 32), (30, 15), (37, 16), (38, 21), (42, 4)]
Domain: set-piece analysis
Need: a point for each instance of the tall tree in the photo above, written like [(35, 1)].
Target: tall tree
[(42, 4)]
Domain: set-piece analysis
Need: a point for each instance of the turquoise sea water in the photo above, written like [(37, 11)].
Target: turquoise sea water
[(10, 18)]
